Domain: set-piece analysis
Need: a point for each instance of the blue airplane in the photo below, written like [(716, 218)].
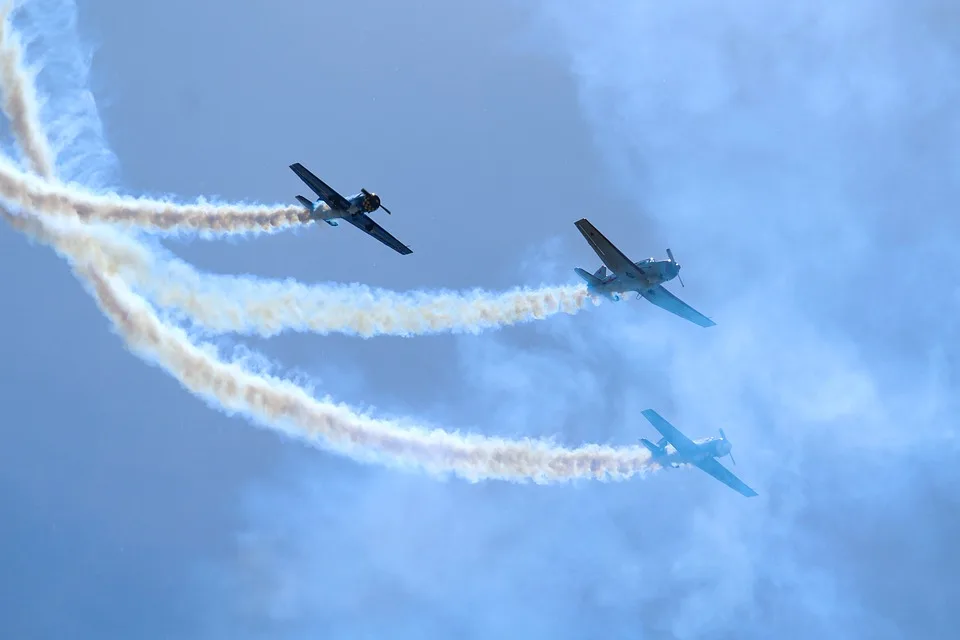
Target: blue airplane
[(702, 453), (354, 209), (645, 277)]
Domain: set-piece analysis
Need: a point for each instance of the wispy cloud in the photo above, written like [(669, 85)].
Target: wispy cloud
[(800, 159)]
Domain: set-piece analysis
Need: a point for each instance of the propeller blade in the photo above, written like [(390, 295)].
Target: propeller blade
[(385, 209), (722, 434), (670, 254), (732, 459), (681, 280)]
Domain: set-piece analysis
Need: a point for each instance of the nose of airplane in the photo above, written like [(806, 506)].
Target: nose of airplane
[(723, 445), (673, 268)]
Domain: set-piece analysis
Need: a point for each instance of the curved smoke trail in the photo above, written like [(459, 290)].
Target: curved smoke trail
[(264, 308), (270, 401), (70, 116), (55, 198), (225, 304), (258, 307)]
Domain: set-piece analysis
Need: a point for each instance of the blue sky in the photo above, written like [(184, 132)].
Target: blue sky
[(800, 161)]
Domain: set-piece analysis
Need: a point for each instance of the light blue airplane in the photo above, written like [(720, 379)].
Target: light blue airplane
[(701, 453), (353, 209), (645, 277)]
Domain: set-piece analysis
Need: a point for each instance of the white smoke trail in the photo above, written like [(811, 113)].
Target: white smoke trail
[(55, 198), (269, 308), (47, 195), (20, 104), (282, 406), (217, 304), (288, 408), (70, 116)]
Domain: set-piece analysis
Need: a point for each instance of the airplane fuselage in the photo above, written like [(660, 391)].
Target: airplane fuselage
[(706, 448), (675, 449), (655, 272), (359, 203)]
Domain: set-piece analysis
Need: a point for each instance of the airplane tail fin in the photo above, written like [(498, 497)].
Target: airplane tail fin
[(595, 282), (654, 449), (305, 202), (657, 449), (592, 280)]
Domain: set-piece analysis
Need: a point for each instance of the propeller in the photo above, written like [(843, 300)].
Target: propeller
[(670, 255), (730, 453), (376, 199)]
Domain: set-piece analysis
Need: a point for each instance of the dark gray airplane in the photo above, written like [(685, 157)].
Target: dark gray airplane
[(353, 209), (645, 277)]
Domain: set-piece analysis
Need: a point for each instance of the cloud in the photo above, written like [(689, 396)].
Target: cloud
[(801, 162)]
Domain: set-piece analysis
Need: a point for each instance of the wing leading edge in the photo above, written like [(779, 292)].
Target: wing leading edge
[(659, 296), (326, 193), (609, 254), (724, 475), (680, 442), (366, 224)]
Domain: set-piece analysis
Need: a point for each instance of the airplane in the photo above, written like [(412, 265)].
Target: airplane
[(645, 277), (702, 453), (353, 209)]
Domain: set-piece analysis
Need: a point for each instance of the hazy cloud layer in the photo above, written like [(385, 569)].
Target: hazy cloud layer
[(801, 162)]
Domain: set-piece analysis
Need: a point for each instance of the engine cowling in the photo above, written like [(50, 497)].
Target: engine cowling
[(371, 202)]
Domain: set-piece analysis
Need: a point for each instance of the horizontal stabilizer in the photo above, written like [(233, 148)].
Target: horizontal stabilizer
[(654, 449), (591, 280), (305, 202)]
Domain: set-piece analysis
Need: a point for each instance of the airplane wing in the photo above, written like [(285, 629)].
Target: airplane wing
[(321, 188), (366, 224), (666, 300), (724, 475), (680, 442), (609, 254)]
